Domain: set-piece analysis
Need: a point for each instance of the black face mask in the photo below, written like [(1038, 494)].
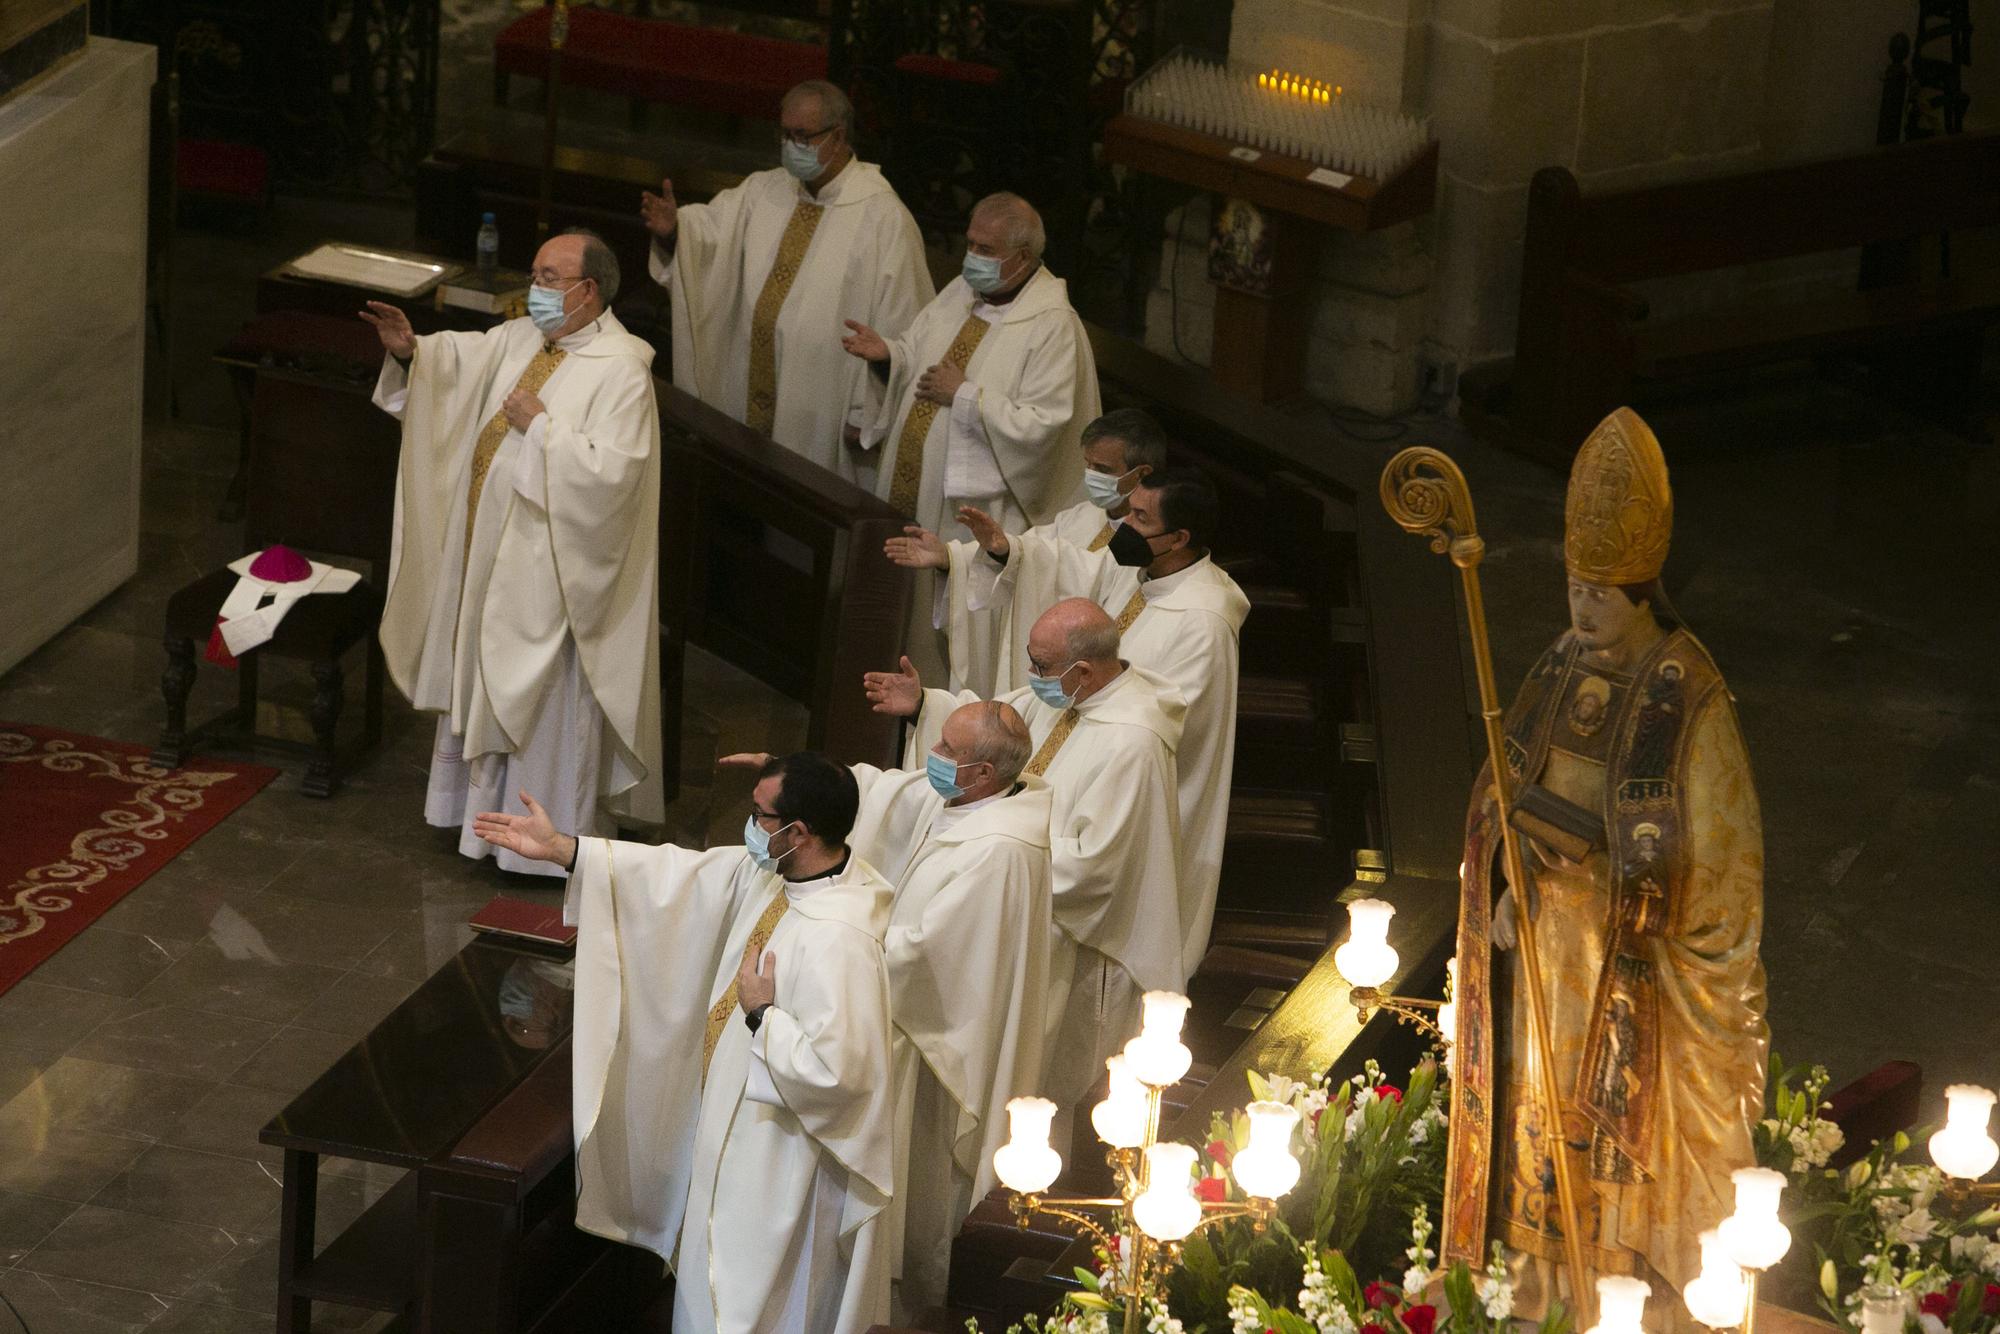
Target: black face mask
[(1128, 547)]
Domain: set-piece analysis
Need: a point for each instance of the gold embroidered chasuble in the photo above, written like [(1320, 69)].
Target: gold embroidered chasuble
[(1643, 841)]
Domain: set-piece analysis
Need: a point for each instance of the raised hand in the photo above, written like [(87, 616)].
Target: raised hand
[(864, 342), (533, 835), (918, 549), (660, 212), (899, 693), (990, 536), (746, 759), (392, 326)]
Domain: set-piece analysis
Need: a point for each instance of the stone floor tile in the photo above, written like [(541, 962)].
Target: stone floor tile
[(354, 1004), (109, 961), (91, 1095), (293, 1058), (189, 1186), (227, 1119), (53, 1305), (61, 1163), (175, 1039), (238, 974), (128, 1250), (44, 1021), (24, 1221)]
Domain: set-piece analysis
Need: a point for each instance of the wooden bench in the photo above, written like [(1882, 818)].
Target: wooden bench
[(649, 60), (1587, 341)]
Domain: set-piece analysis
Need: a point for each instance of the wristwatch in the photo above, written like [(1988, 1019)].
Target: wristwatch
[(755, 1018)]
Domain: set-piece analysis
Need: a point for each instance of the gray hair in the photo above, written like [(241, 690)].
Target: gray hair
[(1018, 216), (1002, 740), (600, 265), (834, 106), (1093, 641), (1145, 443)]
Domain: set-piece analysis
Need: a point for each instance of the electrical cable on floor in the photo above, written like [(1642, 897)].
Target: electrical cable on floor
[(19, 1319)]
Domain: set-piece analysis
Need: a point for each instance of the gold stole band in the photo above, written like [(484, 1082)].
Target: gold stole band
[(1103, 538), (1047, 754), (761, 405), (718, 1014), (908, 480), (532, 379), (1132, 610)]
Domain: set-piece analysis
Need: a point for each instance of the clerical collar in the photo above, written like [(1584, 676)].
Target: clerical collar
[(572, 341), (951, 815), (990, 310), (1167, 583), (812, 884)]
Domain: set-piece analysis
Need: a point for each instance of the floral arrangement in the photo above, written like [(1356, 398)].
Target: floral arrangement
[(1883, 1229)]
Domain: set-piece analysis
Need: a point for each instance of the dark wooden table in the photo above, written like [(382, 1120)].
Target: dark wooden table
[(405, 1096)]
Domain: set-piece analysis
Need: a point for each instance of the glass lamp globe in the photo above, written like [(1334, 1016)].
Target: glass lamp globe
[(1719, 1295), (1448, 1012), (1266, 1168), (1753, 1236), (1167, 1209), (1621, 1305), (1026, 1164), (1157, 1057), (1120, 1120), (1963, 1149), (1367, 959)]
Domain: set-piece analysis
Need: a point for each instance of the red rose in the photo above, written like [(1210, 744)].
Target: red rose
[(1219, 1151), (1939, 1304), (1214, 1190), (1388, 1091), (1990, 1304), (1377, 1295), (1421, 1319), (1372, 1328)]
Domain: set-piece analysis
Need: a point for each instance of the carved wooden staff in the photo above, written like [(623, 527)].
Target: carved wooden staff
[(552, 87), (1425, 493)]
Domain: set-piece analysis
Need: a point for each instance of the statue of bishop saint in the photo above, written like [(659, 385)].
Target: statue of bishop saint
[(1644, 853)]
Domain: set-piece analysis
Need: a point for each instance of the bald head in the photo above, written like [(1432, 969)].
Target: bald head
[(1075, 643), (991, 733), (582, 268), (1013, 221)]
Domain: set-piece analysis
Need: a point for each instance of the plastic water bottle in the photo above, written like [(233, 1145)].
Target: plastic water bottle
[(489, 244)]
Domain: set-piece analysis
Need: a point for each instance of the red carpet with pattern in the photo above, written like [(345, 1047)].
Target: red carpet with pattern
[(84, 821)]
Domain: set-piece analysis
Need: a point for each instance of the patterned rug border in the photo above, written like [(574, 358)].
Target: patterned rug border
[(54, 882)]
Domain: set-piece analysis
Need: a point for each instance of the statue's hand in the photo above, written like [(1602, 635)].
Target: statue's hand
[(1505, 934)]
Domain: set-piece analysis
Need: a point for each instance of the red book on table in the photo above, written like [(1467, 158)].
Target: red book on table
[(539, 922)]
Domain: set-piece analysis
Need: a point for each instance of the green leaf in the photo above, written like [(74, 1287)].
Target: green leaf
[(1089, 1301)]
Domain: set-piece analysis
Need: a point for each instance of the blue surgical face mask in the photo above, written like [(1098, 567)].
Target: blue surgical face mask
[(758, 843), (982, 273), (802, 160), (545, 308), (1049, 689), (943, 774), (1102, 487)]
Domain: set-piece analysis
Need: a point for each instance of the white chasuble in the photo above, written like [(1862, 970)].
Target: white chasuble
[(987, 648), (968, 958), (1184, 626), (522, 604), (762, 1183), (1009, 441), (852, 252), (1114, 848)]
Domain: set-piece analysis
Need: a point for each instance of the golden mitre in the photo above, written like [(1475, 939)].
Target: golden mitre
[(1619, 516)]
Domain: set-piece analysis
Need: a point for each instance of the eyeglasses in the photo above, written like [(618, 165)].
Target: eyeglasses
[(546, 278), (804, 137), (756, 814), (1035, 665)]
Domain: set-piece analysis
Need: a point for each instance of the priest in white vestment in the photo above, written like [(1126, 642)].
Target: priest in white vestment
[(987, 646), (734, 1101), (762, 275), (988, 392), (1181, 616), (1104, 734), (522, 607), (965, 840)]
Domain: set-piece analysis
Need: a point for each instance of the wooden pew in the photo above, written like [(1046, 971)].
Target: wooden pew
[(775, 565), (1586, 342)]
